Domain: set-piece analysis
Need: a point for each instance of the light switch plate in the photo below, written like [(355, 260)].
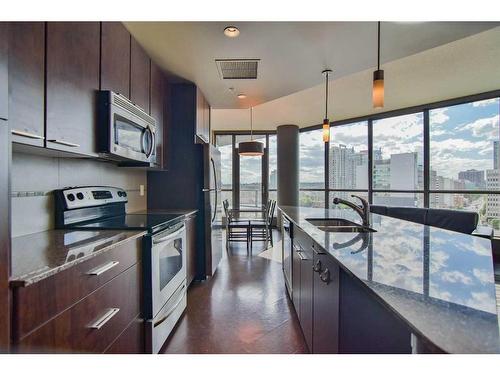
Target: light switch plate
[(141, 190)]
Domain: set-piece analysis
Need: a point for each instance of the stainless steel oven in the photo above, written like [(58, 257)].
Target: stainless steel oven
[(126, 131), (164, 283)]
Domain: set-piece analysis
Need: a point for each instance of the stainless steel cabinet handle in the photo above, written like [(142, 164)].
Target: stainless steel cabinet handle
[(205, 190), (101, 269), (301, 255), (325, 276), (317, 266), (64, 143), (106, 317), (26, 134)]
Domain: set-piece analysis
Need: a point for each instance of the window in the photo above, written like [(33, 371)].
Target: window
[(312, 169), (251, 189), (398, 144), (273, 166), (225, 146)]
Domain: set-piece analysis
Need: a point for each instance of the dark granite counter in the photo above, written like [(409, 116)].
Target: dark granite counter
[(440, 283), (186, 212), (40, 255)]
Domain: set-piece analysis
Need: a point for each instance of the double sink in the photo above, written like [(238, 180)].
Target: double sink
[(338, 225)]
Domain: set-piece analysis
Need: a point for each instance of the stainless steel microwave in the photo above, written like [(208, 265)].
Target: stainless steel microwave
[(126, 131)]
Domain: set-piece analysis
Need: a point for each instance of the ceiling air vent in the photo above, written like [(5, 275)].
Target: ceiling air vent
[(237, 68)]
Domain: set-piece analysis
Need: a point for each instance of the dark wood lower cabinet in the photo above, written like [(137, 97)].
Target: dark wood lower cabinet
[(306, 296), (191, 248), (91, 325), (326, 305), (131, 341)]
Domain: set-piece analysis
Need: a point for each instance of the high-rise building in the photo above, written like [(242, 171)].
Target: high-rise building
[(474, 176), (493, 200), (343, 163), (496, 154)]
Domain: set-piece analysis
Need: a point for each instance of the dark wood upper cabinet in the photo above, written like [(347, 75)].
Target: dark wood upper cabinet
[(115, 58), (4, 37), (157, 109), (139, 76), (72, 84), (26, 82)]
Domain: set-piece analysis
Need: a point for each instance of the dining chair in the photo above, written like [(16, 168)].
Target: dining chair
[(261, 229), (237, 230)]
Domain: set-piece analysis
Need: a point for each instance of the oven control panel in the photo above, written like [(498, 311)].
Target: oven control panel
[(90, 196)]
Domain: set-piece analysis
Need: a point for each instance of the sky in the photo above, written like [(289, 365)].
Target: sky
[(461, 138)]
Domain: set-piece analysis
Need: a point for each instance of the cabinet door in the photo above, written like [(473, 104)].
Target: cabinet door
[(191, 249), (326, 305), (4, 37), (139, 76), (157, 105), (130, 341), (296, 279), (72, 84), (26, 82), (115, 58), (306, 296)]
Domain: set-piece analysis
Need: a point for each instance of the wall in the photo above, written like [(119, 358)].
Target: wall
[(39, 176), (464, 67)]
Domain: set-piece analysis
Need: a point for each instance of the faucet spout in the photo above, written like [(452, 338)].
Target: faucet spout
[(363, 210)]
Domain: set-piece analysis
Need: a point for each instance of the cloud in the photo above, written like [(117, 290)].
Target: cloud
[(483, 127), (484, 103), (456, 277), (484, 276), (438, 116)]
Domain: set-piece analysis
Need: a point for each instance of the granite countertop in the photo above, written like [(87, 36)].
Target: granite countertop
[(40, 255), (181, 211), (441, 283)]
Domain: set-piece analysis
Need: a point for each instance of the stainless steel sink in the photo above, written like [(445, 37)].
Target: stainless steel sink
[(337, 225)]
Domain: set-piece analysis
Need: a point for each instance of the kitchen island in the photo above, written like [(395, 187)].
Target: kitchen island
[(401, 288)]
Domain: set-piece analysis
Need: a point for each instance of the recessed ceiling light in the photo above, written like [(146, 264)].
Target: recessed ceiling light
[(241, 96), (231, 31)]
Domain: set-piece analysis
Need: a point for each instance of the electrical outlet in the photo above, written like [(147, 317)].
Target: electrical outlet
[(141, 190)]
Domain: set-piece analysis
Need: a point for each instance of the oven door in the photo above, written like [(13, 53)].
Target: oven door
[(132, 138), (168, 265)]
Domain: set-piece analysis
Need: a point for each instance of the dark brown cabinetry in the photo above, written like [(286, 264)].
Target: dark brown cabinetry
[(131, 341), (191, 248), (157, 107), (26, 82), (326, 305), (72, 83), (4, 37), (202, 118), (57, 314), (139, 75), (115, 58)]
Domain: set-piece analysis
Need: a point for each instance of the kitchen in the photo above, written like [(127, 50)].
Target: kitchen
[(156, 203)]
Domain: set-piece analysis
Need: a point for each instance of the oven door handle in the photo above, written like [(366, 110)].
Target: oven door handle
[(168, 236), (171, 311)]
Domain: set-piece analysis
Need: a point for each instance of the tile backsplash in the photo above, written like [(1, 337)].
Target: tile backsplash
[(35, 177)]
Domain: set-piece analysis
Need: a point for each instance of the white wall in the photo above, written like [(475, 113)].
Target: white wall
[(35, 177), (465, 67)]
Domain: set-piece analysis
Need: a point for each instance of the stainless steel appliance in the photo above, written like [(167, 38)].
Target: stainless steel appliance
[(126, 131), (213, 209), (164, 256), (287, 261)]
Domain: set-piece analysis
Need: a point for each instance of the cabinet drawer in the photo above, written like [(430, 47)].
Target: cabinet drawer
[(131, 341), (39, 302), (92, 324)]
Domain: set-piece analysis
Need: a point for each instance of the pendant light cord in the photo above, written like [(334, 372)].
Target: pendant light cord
[(378, 45), (326, 96)]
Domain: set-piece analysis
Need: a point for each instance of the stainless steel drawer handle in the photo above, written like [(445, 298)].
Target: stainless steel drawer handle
[(171, 311), (26, 134), (301, 255), (64, 143), (106, 317), (101, 269)]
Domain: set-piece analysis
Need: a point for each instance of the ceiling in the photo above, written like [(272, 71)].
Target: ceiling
[(292, 54)]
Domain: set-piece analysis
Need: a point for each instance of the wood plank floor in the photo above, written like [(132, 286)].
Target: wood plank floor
[(244, 308)]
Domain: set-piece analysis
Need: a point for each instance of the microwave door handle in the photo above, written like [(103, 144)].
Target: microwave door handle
[(168, 236)]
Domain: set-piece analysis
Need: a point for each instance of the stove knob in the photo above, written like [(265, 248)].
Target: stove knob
[(79, 196), (71, 197), (124, 194)]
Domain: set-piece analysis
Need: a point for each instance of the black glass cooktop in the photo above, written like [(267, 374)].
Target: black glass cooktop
[(151, 222)]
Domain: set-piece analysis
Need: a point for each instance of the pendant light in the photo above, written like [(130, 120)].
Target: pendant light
[(326, 121), (378, 78), (251, 148)]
